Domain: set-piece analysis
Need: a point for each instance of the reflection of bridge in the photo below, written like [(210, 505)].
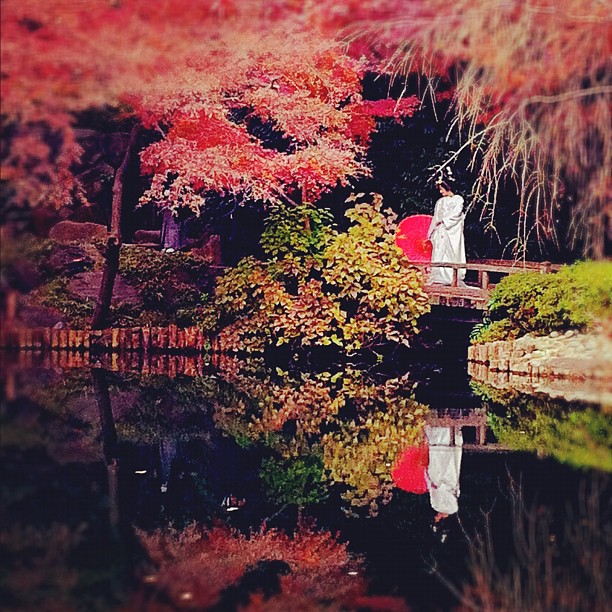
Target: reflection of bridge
[(458, 418), (481, 276)]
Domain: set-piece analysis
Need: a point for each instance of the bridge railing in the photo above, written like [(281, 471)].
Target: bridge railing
[(484, 267)]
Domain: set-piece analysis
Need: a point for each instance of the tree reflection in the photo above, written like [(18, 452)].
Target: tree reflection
[(306, 570), (279, 445), (356, 423), (154, 409), (55, 498)]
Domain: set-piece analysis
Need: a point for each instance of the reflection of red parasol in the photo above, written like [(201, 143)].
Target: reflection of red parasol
[(409, 471), (411, 237)]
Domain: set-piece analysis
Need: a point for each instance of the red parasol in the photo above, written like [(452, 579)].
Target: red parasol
[(409, 471), (411, 237)]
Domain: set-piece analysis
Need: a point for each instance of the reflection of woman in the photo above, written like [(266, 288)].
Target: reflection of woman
[(442, 476), (446, 234)]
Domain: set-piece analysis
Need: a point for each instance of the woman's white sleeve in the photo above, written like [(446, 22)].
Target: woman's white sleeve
[(454, 212), (435, 221)]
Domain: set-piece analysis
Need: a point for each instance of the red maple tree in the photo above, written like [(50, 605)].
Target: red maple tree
[(200, 76), (182, 70)]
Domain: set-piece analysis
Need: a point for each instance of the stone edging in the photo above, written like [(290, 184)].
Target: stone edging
[(577, 366)]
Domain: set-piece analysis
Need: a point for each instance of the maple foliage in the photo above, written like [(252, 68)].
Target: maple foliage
[(205, 149), (186, 72)]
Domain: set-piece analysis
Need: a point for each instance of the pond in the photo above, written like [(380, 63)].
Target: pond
[(173, 483)]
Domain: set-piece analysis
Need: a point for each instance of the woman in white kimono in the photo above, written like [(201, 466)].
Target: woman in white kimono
[(446, 235)]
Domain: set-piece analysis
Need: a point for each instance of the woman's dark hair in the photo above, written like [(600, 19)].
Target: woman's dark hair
[(448, 185)]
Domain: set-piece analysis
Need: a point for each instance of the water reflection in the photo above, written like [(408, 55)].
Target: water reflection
[(574, 433), (60, 547), (248, 452), (445, 449)]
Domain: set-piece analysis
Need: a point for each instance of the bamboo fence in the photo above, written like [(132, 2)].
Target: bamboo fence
[(170, 339)]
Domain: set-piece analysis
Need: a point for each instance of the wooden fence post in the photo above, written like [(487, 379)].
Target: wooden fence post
[(146, 364), (136, 339), (545, 267), (146, 339), (9, 385), (63, 339), (163, 338), (172, 359), (172, 336), (455, 281), (10, 306), (180, 339), (200, 341), (114, 339)]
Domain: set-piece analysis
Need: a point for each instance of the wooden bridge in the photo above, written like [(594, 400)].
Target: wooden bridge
[(481, 276)]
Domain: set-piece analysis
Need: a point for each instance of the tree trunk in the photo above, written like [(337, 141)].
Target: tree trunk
[(109, 441), (113, 245), (107, 421)]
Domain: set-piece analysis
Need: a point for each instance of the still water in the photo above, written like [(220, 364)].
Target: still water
[(178, 484)]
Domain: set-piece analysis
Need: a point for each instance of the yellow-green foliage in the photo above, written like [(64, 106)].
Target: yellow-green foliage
[(354, 290), (298, 480), (573, 298), (301, 415), (361, 453)]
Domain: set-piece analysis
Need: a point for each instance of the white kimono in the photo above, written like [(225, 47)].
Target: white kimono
[(446, 235), (444, 466)]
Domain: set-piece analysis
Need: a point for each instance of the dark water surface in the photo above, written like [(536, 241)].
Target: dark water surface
[(92, 459)]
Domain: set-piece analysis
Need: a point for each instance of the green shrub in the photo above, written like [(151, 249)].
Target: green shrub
[(380, 293), (296, 481), (26, 248), (493, 331), (170, 284), (55, 294), (530, 302), (27, 262), (300, 231)]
